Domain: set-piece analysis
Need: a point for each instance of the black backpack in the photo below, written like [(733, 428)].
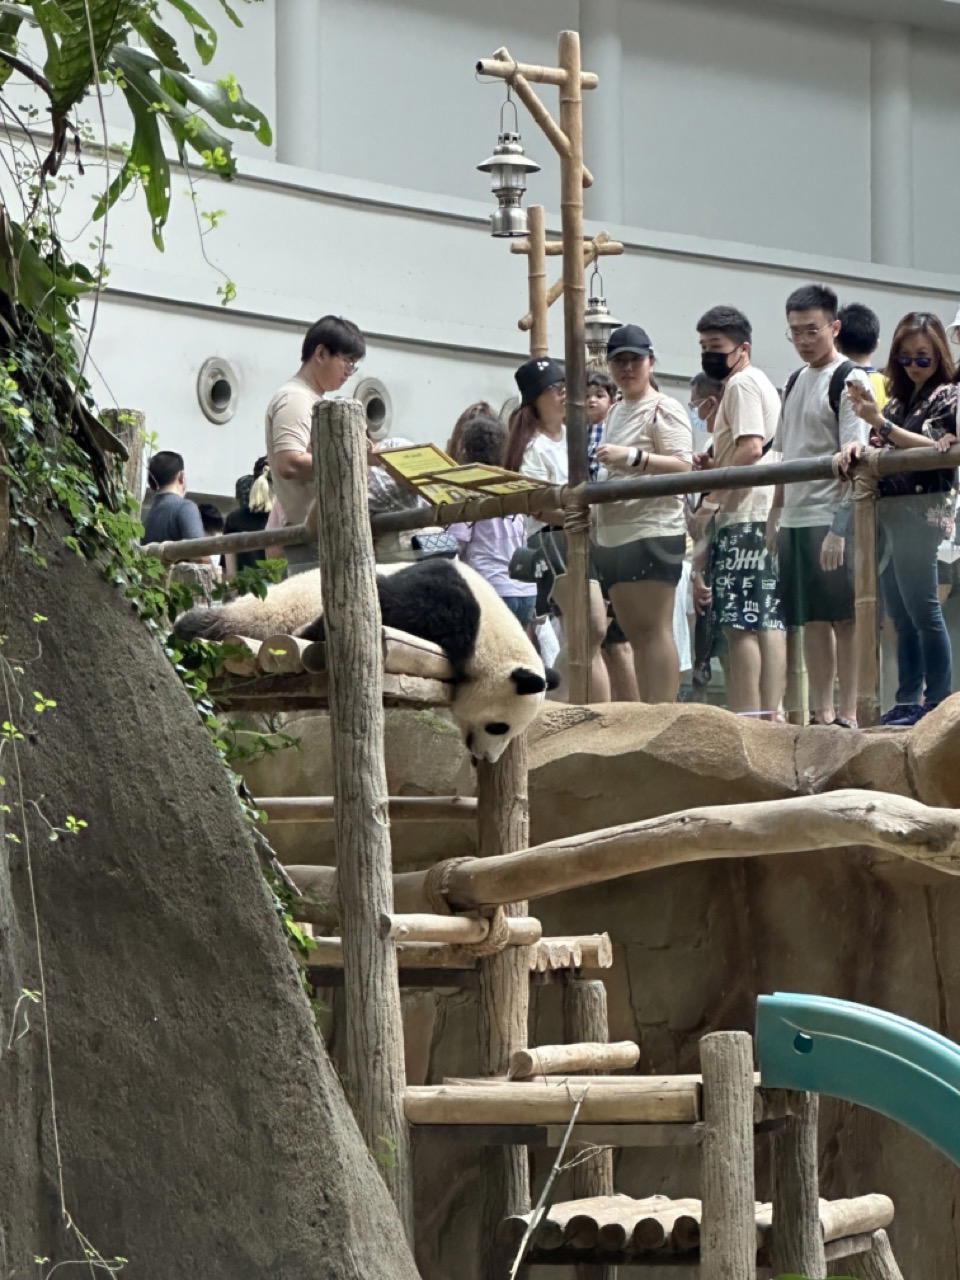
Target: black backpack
[(837, 379)]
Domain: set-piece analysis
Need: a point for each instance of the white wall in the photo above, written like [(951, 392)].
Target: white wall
[(749, 175)]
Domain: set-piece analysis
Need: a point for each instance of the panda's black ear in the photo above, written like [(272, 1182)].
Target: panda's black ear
[(527, 681), (553, 678)]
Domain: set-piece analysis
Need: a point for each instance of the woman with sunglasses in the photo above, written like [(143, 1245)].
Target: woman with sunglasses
[(917, 511)]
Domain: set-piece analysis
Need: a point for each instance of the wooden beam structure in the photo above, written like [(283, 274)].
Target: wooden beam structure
[(279, 809), (375, 1075), (555, 1059)]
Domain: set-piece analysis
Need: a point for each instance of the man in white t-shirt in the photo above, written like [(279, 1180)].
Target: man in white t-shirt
[(817, 420), (746, 594), (331, 350)]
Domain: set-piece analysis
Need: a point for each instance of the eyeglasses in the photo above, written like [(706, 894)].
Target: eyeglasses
[(922, 362), (806, 331), (349, 364)]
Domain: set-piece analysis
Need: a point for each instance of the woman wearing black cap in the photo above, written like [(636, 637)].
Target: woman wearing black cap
[(640, 543), (537, 447), (254, 500)]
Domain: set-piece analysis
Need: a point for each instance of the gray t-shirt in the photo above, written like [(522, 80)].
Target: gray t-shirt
[(809, 429), (172, 519)]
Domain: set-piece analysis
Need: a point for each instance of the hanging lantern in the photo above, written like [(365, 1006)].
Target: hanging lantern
[(598, 323), (508, 168)]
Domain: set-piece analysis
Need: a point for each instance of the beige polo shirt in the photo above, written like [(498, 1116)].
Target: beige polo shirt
[(288, 424)]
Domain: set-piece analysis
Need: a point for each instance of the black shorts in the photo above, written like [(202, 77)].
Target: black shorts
[(807, 592), (645, 560), (743, 575), (553, 543)]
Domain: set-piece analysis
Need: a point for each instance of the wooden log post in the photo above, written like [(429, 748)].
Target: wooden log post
[(797, 1238), (877, 1264), (537, 280), (130, 427), (577, 623), (865, 597), (585, 1019), (728, 1234), (577, 1056), (375, 1076), (502, 826)]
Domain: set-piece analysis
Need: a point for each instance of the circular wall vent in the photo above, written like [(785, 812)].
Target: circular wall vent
[(377, 407), (217, 389)]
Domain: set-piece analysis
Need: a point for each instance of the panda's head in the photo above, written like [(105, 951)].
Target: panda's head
[(491, 709)]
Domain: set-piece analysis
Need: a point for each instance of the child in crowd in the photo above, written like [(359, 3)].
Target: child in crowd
[(488, 545)]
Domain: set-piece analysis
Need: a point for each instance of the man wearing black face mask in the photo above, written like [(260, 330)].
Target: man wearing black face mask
[(746, 596)]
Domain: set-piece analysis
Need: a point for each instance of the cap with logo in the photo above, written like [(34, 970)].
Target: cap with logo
[(629, 339), (537, 376)]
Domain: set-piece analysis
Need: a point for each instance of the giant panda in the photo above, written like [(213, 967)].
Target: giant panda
[(500, 681)]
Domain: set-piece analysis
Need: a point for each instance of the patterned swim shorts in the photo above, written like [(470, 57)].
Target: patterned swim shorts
[(743, 574)]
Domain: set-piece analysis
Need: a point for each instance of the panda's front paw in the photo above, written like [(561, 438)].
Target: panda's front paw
[(312, 631)]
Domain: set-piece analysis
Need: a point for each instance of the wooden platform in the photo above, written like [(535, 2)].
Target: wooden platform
[(662, 1231), (427, 964), (285, 673)]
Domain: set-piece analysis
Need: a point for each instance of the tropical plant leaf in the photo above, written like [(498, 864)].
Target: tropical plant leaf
[(70, 66), (146, 160), (204, 35), (231, 13), (222, 102), (9, 26), (160, 41)]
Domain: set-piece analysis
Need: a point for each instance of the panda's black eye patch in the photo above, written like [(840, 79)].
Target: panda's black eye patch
[(496, 727)]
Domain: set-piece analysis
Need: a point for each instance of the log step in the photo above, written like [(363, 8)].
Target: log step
[(625, 1226), (593, 951), (401, 808), (605, 1100), (464, 930), (553, 1058), (282, 654)]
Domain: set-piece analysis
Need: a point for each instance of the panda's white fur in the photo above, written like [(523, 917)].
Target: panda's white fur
[(500, 678)]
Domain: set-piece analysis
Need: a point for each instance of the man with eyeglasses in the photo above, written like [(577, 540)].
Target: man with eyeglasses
[(808, 520), (330, 352)]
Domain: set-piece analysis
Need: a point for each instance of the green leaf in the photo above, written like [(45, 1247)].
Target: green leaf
[(9, 26), (146, 160), (224, 103), (71, 64), (160, 41), (204, 36)]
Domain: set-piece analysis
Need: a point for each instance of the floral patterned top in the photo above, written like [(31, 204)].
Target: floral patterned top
[(933, 415)]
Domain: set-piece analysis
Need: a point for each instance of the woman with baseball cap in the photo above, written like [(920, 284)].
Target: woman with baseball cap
[(640, 543), (537, 447)]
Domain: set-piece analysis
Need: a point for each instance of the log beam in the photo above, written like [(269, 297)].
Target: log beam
[(522, 931), (400, 808), (728, 1224), (556, 1059), (375, 1073), (878, 1263), (636, 1100)]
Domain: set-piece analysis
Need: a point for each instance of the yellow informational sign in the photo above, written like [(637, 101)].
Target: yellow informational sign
[(435, 475)]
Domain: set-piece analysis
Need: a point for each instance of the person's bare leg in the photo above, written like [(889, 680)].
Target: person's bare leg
[(599, 682), (819, 651), (618, 659), (645, 612), (846, 644), (773, 672), (743, 689)]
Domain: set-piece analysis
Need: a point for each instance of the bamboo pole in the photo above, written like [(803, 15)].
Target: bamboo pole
[(796, 1236), (522, 931), (576, 523), (865, 596), (503, 820), (374, 1029), (877, 1264), (537, 281), (505, 67), (728, 1232), (401, 808), (585, 1019), (554, 1059), (599, 246)]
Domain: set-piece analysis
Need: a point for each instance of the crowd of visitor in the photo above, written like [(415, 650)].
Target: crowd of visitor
[(676, 582)]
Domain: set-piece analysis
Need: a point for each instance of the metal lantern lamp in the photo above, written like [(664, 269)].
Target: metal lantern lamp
[(508, 168), (598, 323)]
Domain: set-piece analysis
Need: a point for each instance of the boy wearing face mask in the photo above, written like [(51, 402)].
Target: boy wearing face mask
[(746, 594)]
